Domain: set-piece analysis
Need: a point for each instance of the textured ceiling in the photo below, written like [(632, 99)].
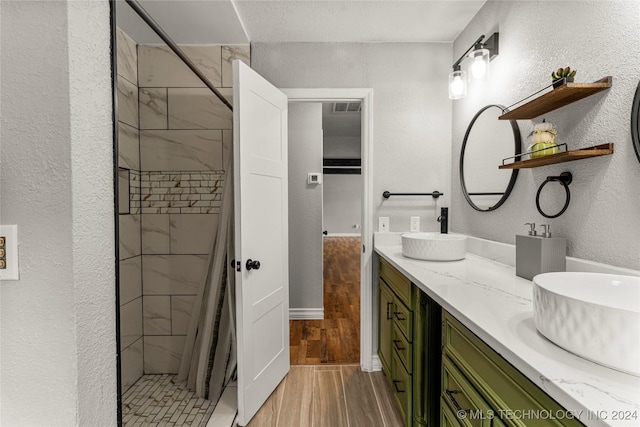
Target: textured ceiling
[(241, 21), (355, 21)]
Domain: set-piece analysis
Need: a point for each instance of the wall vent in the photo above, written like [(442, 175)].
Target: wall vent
[(347, 107)]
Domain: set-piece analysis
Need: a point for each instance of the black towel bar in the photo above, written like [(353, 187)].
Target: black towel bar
[(434, 194)]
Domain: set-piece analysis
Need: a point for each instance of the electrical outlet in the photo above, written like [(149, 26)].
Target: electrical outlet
[(415, 223), (9, 252), (383, 224)]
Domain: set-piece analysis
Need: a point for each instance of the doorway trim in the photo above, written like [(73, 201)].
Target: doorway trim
[(368, 361)]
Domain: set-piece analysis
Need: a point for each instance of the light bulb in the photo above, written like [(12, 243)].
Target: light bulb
[(457, 84), (480, 66)]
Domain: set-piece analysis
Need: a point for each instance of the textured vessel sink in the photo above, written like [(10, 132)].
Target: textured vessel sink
[(434, 246), (594, 315)]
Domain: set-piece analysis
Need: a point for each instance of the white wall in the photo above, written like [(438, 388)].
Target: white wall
[(305, 206), (342, 203), (597, 39), (411, 111), (58, 347), (342, 194), (342, 147)]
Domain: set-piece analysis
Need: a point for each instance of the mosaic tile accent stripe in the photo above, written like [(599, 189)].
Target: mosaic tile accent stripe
[(134, 192), (156, 400), (183, 192)]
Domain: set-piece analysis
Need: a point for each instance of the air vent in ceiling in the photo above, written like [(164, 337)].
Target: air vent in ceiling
[(347, 107)]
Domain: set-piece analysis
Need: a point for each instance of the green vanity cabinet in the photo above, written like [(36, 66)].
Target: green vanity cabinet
[(409, 346), (443, 375), (477, 380)]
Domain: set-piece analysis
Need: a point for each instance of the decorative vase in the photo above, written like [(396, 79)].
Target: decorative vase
[(543, 140), (543, 149)]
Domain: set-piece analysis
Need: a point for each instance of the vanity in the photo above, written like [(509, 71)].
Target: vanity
[(458, 343)]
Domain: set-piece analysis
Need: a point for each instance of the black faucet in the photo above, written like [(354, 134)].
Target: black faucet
[(443, 219)]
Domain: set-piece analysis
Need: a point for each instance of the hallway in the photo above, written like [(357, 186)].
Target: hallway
[(336, 338)]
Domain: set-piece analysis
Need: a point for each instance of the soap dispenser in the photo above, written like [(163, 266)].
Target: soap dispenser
[(540, 254)]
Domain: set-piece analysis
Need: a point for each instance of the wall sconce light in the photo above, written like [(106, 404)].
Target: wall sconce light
[(457, 83), (481, 54)]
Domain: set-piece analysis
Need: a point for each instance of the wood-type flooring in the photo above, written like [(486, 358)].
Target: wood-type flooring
[(330, 396), (336, 338)]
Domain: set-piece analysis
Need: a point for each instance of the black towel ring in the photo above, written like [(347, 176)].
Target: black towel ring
[(564, 179)]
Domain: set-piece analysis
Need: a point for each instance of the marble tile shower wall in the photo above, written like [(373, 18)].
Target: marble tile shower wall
[(184, 140), (131, 339)]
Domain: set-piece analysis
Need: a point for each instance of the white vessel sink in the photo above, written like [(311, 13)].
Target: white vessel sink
[(593, 315), (434, 246)]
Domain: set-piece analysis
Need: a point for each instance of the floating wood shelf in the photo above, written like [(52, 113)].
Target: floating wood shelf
[(567, 156), (558, 97)]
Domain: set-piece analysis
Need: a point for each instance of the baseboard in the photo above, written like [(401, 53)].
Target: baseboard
[(306, 313), (343, 235), (376, 364)]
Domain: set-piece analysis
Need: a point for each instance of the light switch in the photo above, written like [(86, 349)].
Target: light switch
[(383, 224), (9, 252)]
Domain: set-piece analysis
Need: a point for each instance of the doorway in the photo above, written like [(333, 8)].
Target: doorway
[(325, 267), (363, 291)]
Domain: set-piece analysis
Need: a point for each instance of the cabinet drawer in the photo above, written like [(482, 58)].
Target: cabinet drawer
[(461, 398), (447, 417), (400, 284), (402, 388), (403, 319), (403, 348), (501, 385)]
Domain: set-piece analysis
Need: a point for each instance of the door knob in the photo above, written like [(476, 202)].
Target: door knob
[(252, 265)]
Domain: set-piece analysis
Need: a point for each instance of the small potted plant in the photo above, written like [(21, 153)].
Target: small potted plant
[(562, 76)]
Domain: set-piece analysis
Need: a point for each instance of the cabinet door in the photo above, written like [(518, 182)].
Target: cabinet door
[(402, 389), (462, 398), (385, 311)]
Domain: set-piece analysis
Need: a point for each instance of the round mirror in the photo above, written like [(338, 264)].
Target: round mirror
[(486, 143), (635, 122)]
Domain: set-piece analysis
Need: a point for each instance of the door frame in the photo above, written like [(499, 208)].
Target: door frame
[(368, 360)]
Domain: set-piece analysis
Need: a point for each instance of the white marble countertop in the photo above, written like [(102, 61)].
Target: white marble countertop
[(489, 299)]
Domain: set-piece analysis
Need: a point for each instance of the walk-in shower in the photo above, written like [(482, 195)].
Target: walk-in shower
[(173, 149)]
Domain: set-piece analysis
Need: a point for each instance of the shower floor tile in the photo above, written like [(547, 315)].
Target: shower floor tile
[(154, 400)]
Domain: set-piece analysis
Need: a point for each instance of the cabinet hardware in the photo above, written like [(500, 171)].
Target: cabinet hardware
[(459, 409), (399, 315), (395, 385), (395, 344), (389, 304)]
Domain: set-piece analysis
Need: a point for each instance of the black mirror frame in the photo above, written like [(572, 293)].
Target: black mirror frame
[(514, 173), (635, 122)]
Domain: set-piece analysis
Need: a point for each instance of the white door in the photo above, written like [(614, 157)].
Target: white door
[(261, 237)]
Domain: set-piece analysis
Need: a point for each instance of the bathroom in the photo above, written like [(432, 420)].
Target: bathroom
[(57, 171)]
